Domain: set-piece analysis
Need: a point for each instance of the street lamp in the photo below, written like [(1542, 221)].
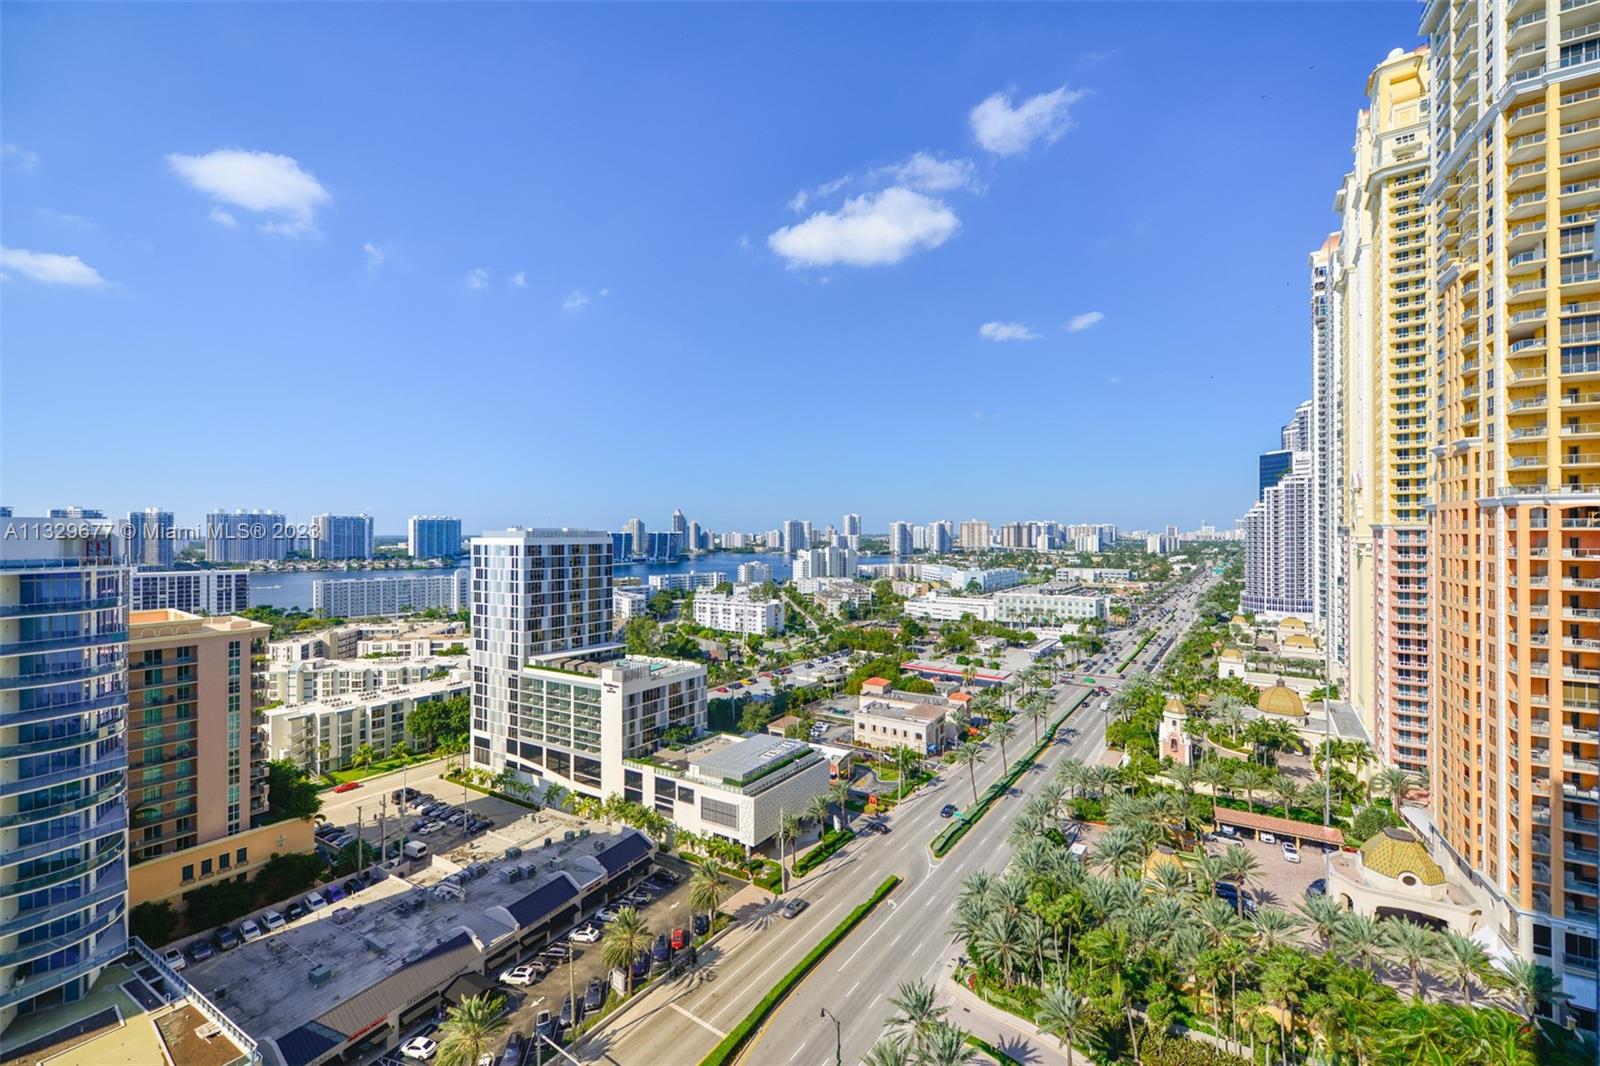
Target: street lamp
[(838, 1036)]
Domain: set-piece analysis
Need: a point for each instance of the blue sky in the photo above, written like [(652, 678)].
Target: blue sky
[(565, 264)]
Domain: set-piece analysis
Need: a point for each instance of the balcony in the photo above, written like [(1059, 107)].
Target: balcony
[(49, 607), (59, 643)]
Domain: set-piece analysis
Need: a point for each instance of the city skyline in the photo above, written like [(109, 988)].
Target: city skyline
[(488, 255)]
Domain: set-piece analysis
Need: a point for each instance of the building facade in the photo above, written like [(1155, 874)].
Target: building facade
[(63, 759), (247, 536), (754, 573), (432, 536), (151, 538), (900, 545), (1279, 571), (196, 765), (194, 591), (325, 734), (1515, 536), (974, 535), (737, 612), (341, 536), (366, 597)]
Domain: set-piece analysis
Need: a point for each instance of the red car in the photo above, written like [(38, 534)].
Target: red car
[(680, 939), (347, 786)]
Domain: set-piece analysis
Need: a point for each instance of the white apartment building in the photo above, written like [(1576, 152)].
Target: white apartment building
[(900, 542), (827, 561), (940, 537), (535, 592), (341, 536), (1041, 605), (962, 577), (192, 591), (689, 582), (1093, 575), (628, 601), (432, 536), (338, 642), (942, 607), (737, 612), (370, 596), (1280, 527), (754, 573), (321, 680), (300, 731)]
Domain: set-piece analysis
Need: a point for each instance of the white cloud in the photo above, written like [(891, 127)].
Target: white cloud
[(477, 278), (1006, 130), (376, 256), (48, 268), (1082, 322), (19, 157), (868, 230), (1006, 331), (263, 182), (519, 280), (921, 172), (223, 218), (577, 299)]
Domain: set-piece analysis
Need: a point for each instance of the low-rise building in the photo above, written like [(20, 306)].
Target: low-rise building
[(1093, 575), (754, 573), (887, 720), (628, 601), (1047, 605), (955, 673), (738, 612), (688, 582), (335, 642), (194, 591), (401, 594), (970, 578), (324, 735), (424, 646), (320, 680), (942, 607)]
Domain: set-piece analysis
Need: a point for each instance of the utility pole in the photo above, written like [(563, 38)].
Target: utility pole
[(838, 1036)]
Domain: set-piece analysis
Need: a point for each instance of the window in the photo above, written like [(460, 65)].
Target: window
[(718, 812), (242, 856), (224, 861), (188, 873), (205, 867)]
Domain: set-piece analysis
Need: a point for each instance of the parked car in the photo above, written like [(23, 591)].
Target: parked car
[(347, 787), (568, 1013), (519, 976), (589, 934), (315, 901), (271, 920), (249, 930), (702, 925), (200, 951), (1319, 887), (295, 911), (680, 939), (419, 1047), (794, 907), (227, 939), (174, 959), (1290, 852), (661, 952), (595, 996), (606, 914), (561, 952), (637, 898), (641, 964), (333, 893), (671, 877)]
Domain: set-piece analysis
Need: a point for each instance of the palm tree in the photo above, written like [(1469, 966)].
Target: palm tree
[(556, 796), (1252, 777), (1410, 947), (839, 792), (705, 890), (1071, 774), (470, 1029), (948, 1047), (625, 938), (1002, 732), (1463, 961), (1241, 867), (1272, 927), (997, 941), (970, 755), (1393, 783), (1214, 772), (887, 1051), (1119, 852), (1285, 791), (1358, 940), (915, 1014), (788, 833), (818, 810), (1322, 916), (1229, 713), (1035, 708), (364, 756), (1283, 983), (1060, 1013), (1528, 984)]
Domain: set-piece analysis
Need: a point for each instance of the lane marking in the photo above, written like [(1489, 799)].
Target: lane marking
[(700, 1022), (852, 991)]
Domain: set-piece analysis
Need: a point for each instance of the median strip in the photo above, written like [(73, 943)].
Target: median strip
[(1148, 637), (740, 1035), (967, 819)]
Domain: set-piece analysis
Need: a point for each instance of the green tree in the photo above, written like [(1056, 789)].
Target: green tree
[(914, 1015), (970, 755), (153, 923), (1412, 948), (1061, 1014), (290, 792), (705, 890), (624, 939), (1001, 732), (364, 756), (471, 1029)]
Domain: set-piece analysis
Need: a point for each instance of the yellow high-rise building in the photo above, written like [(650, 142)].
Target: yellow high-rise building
[(1514, 199), (1380, 281)]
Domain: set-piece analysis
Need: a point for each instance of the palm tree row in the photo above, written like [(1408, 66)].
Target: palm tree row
[(918, 1034)]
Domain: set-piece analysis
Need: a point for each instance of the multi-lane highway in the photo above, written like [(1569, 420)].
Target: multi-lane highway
[(904, 939)]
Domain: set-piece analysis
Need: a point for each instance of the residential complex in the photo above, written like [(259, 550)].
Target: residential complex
[(900, 544), (247, 536), (194, 591), (829, 561), (151, 538), (326, 733), (63, 759), (431, 536), (335, 536), (401, 594), (324, 680), (738, 612), (974, 536), (1280, 571), (754, 573), (688, 582)]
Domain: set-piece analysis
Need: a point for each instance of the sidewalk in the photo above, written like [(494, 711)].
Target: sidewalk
[(1020, 1039)]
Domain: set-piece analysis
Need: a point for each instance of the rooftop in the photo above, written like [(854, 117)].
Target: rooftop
[(416, 690), (170, 622), (387, 941), (744, 760), (617, 668), (1398, 851), (903, 710)]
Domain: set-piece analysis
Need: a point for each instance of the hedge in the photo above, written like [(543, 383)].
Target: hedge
[(728, 1050), (830, 843), (966, 819), (1160, 1050), (1148, 637)]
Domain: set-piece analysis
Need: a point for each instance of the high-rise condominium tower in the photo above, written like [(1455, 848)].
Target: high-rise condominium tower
[(1380, 285), (851, 526), (900, 540), (1280, 532), (431, 536), (1513, 201), (150, 538), (63, 761)]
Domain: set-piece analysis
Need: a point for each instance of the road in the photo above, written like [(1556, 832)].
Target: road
[(906, 938)]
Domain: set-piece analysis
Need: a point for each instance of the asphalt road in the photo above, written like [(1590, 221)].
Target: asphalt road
[(906, 938)]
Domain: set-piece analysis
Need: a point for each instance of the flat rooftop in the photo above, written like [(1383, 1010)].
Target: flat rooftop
[(635, 667), (389, 926), (745, 759), (367, 697), (878, 707)]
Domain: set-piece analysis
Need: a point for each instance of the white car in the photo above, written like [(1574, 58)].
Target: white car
[(315, 902), (521, 976), (590, 934), (606, 914), (1290, 852), (1266, 838), (419, 1047), (174, 958), (249, 930), (272, 920)]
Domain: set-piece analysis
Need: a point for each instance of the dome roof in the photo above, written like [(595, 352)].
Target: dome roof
[(1394, 852), (1283, 700), (1240, 620), (1299, 640), (1292, 623), (1232, 655), (1175, 706)]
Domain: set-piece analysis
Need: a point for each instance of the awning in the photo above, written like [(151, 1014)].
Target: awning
[(1280, 827)]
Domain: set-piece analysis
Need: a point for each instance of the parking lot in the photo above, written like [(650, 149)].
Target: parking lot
[(382, 819), (555, 979)]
